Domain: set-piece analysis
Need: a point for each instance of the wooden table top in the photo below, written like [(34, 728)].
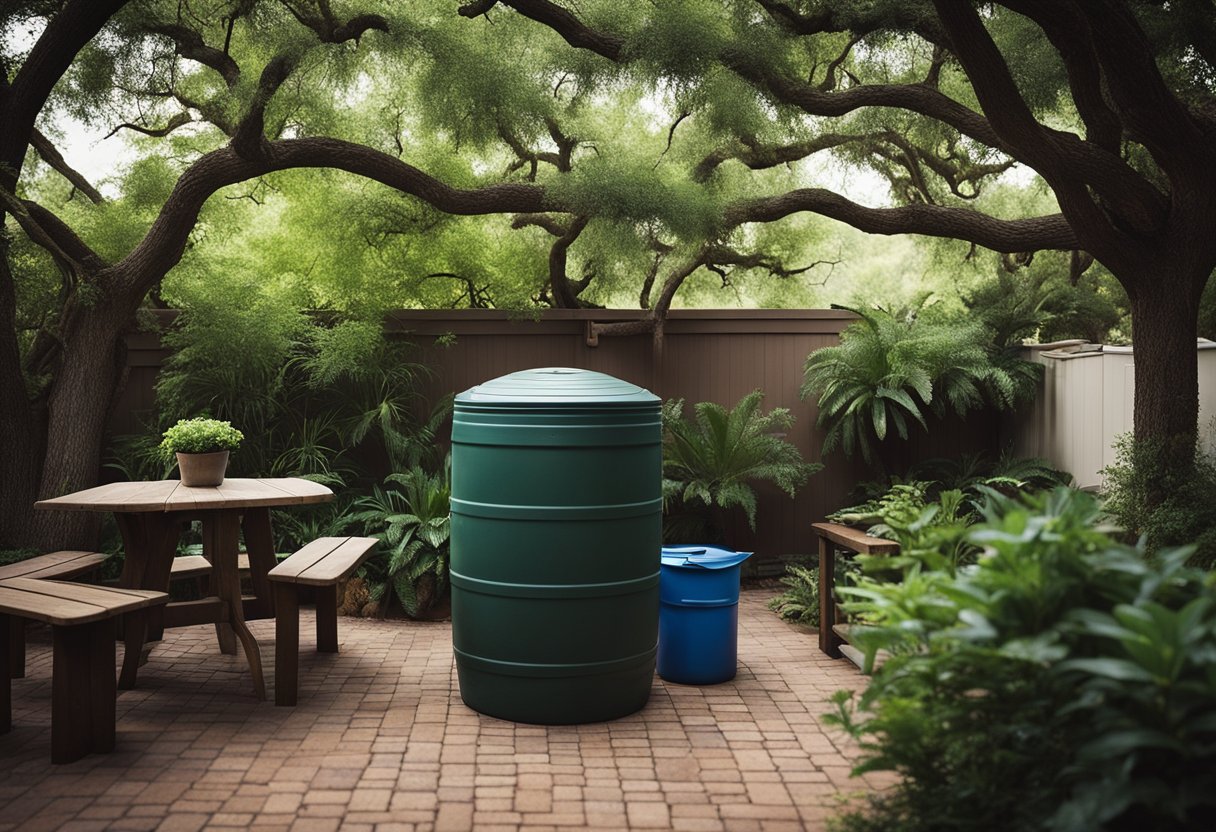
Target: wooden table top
[(171, 495)]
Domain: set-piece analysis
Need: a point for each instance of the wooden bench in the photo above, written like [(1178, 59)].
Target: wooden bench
[(64, 565), (83, 687), (321, 564), (832, 536)]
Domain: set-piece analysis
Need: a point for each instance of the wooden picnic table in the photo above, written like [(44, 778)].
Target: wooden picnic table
[(151, 517)]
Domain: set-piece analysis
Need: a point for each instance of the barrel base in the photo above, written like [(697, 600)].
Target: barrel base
[(698, 645), (556, 701)]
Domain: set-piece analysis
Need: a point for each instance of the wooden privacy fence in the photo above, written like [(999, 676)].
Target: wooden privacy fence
[(708, 355)]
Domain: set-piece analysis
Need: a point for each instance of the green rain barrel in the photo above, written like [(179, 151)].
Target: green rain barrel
[(556, 532)]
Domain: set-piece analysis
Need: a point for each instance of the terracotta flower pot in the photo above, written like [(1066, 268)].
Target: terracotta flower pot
[(203, 470)]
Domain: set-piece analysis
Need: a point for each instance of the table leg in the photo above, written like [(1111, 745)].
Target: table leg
[(149, 541), (829, 642), (259, 543), (220, 544)]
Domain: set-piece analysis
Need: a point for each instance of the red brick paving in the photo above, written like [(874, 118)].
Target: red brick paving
[(381, 741)]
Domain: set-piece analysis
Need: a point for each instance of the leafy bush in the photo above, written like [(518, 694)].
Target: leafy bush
[(709, 461), (800, 600), (412, 518), (1186, 515), (200, 436), (972, 474), (1042, 303), (1062, 682), (890, 371), (326, 399)]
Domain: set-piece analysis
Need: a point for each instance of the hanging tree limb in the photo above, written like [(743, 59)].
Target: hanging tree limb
[(175, 121), (190, 45), (51, 155)]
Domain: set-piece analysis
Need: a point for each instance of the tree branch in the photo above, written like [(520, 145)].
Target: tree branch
[(329, 30), (74, 25), (1146, 104), (761, 157), (250, 138), (162, 247), (51, 155), (190, 45), (1073, 168), (566, 23), (1066, 31), (175, 121), (564, 295), (545, 221), (50, 233), (1049, 232)]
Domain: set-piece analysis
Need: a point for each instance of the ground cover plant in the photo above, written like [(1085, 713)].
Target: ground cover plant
[(1061, 680)]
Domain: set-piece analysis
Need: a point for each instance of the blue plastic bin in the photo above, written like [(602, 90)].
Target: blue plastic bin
[(699, 616)]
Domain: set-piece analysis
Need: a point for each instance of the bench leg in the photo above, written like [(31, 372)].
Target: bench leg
[(16, 648), (7, 625), (327, 619), (286, 644), (83, 691), (829, 642), (134, 631)]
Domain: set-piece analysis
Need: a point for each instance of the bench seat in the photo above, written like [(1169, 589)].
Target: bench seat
[(322, 564), (53, 565), (83, 686), (68, 564), (197, 566)]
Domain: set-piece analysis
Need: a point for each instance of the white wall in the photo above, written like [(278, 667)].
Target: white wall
[(1086, 403)]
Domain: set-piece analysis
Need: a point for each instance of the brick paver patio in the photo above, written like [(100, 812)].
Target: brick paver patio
[(380, 740)]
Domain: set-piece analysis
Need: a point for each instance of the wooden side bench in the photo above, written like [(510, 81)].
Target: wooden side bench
[(833, 536), (61, 565), (83, 687), (322, 564)]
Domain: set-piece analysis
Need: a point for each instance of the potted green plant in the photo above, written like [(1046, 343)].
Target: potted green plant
[(201, 447)]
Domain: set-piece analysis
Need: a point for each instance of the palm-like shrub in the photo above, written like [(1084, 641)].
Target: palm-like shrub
[(890, 371), (710, 460), (412, 518)]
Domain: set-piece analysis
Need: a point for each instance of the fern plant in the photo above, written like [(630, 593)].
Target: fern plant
[(412, 518), (799, 602), (710, 460), (892, 371)]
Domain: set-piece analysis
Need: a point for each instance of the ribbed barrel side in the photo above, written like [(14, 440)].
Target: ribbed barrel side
[(556, 526)]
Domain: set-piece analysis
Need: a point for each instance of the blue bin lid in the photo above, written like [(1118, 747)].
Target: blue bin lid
[(702, 557)]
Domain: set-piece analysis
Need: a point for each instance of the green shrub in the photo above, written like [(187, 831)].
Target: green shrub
[(1063, 682), (200, 436), (1186, 515), (412, 516), (800, 600), (710, 460), (890, 371), (972, 474)]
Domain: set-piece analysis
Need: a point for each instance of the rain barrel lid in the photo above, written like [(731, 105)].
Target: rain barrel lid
[(557, 386), (702, 557)]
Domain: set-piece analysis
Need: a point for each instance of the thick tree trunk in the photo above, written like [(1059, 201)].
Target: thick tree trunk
[(20, 430), (1164, 329), (79, 406)]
